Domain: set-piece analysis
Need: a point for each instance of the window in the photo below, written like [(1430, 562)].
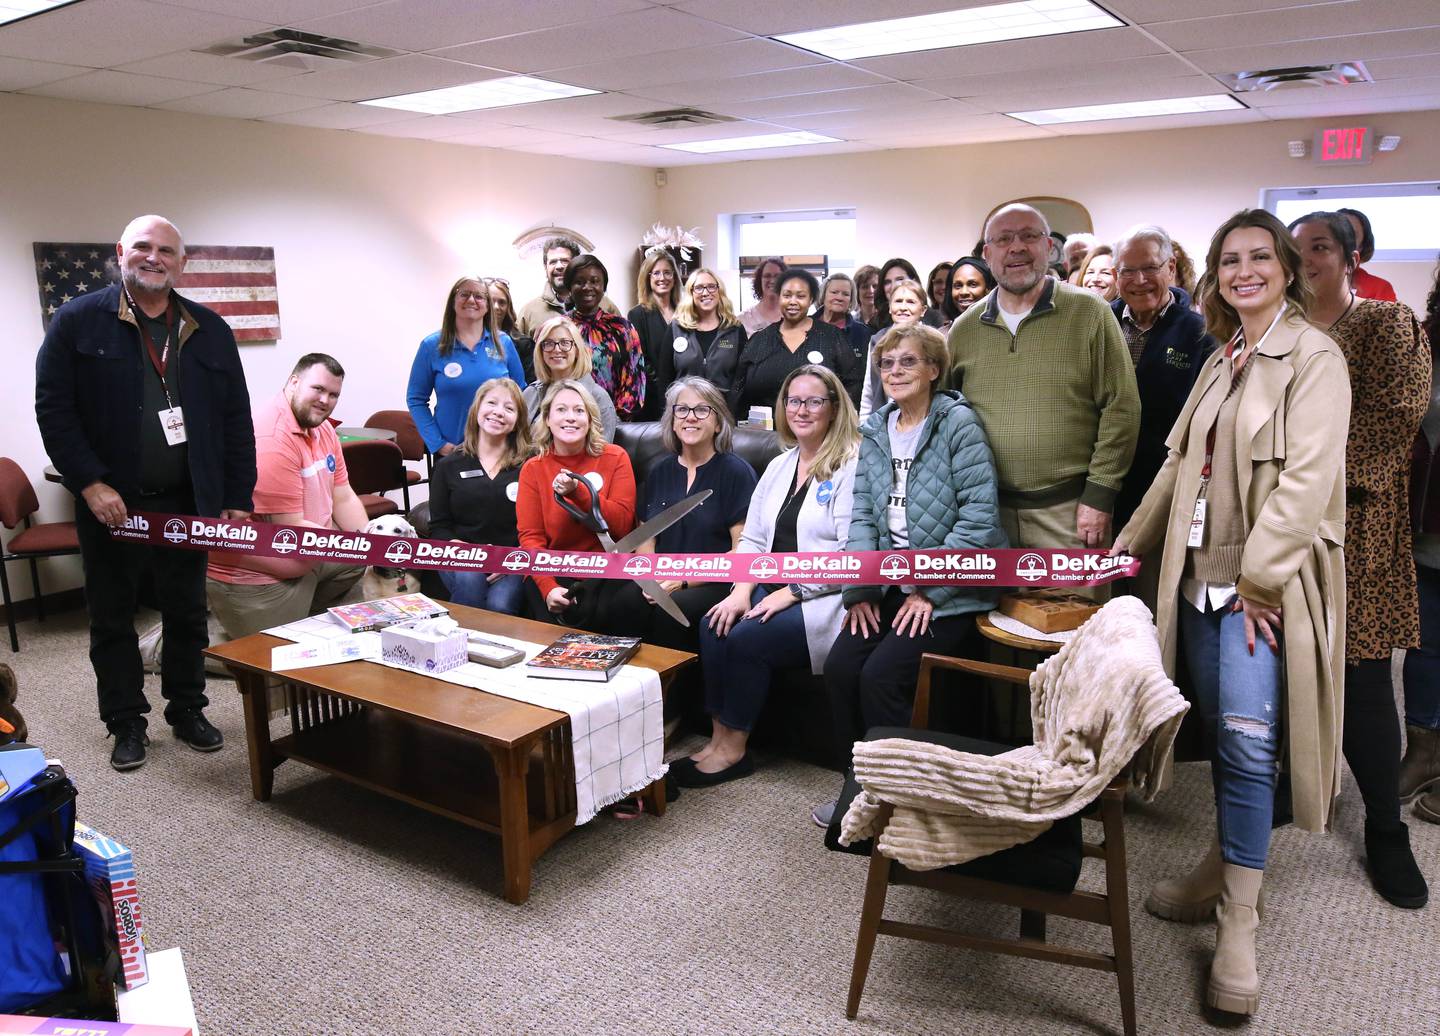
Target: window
[(812, 233), (1404, 216)]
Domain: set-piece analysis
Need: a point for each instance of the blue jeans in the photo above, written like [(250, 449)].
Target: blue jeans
[(738, 666), (1238, 695), (1422, 664), (474, 589)]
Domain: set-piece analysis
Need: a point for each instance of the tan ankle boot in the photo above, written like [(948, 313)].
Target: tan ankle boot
[(1420, 769), (1192, 899), (1234, 978)]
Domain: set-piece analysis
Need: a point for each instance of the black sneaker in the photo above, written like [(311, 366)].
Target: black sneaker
[(129, 750), (198, 732)]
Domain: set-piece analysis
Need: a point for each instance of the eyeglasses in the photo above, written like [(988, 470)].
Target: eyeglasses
[(1126, 273), (907, 362), (705, 289), (472, 296), (811, 404), (700, 412), (557, 345), (1026, 238)]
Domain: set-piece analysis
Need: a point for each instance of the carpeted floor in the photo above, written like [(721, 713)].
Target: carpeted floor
[(334, 910)]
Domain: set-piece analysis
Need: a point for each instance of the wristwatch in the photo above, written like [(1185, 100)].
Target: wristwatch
[(797, 590)]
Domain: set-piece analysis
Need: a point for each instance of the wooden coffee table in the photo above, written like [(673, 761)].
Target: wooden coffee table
[(415, 739)]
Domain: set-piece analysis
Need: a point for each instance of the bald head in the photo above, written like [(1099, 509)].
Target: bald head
[(1017, 247), (151, 255), (1027, 213)]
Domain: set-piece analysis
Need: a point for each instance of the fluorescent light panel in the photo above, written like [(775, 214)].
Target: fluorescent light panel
[(1129, 110), (490, 93), (756, 143), (14, 10), (990, 24)]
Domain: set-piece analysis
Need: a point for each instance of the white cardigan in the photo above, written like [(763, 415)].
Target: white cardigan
[(819, 526)]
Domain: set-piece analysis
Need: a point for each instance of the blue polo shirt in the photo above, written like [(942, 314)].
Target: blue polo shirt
[(453, 379), (705, 530)]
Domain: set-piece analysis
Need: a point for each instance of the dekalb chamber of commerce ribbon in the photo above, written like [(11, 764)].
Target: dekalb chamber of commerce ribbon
[(1037, 567)]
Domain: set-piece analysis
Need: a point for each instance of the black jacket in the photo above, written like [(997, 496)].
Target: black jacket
[(717, 366), (1168, 367), (88, 393)]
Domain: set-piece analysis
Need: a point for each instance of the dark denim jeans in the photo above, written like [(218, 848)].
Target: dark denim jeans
[(738, 667), (506, 595), (1422, 664)]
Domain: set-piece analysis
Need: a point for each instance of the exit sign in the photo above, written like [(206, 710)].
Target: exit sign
[(1344, 145)]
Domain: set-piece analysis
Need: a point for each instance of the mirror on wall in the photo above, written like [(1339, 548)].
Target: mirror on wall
[(1063, 214)]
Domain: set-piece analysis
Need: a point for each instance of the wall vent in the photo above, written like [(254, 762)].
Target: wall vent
[(674, 118), (1342, 73), (290, 48)]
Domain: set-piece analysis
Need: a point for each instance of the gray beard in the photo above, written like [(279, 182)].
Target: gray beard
[(134, 287)]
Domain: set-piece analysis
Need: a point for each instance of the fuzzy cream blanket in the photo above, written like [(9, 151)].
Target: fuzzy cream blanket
[(1102, 703)]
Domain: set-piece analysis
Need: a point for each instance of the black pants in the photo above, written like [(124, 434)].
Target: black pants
[(1372, 739), (114, 572), (639, 618), (871, 680)]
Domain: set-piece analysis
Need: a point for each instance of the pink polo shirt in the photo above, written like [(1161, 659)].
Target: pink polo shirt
[(297, 469)]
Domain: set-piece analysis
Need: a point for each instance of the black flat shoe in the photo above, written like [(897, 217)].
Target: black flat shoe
[(694, 777)]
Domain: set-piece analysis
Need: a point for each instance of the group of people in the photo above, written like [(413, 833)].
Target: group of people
[(1267, 444)]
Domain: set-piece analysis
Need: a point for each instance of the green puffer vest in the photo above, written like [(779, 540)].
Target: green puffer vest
[(952, 497)]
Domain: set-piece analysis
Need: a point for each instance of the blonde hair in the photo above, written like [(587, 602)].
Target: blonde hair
[(545, 439), (643, 294), (580, 360), (518, 447), (685, 312), (915, 288), (842, 438)]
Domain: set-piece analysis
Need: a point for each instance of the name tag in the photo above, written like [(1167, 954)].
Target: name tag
[(476, 473), (172, 422), (1197, 525)]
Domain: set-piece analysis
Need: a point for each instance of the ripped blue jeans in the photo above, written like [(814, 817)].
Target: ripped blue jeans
[(1239, 698)]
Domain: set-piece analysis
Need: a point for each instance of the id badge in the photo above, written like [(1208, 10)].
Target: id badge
[(1197, 525), (172, 421)]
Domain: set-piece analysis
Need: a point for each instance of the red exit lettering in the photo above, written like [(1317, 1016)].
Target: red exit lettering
[(1342, 145)]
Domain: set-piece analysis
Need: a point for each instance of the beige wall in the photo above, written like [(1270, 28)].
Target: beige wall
[(927, 204), (369, 232)]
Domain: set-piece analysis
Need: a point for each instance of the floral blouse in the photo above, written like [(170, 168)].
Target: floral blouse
[(619, 361)]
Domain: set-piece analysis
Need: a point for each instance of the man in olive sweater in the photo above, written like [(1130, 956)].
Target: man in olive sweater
[(1047, 370)]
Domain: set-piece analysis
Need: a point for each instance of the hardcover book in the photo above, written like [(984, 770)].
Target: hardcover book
[(583, 656), (387, 611)]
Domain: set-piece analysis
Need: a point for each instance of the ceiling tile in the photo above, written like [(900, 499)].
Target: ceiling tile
[(1359, 93), (1402, 68), (426, 127), (1037, 55), (1157, 122), (1333, 109), (101, 33), (341, 116), (1306, 23), (1124, 70), (18, 74), (1359, 47), (279, 12), (783, 83), (107, 87), (504, 136), (209, 68), (656, 137), (575, 110), (742, 57), (410, 73), (769, 18), (432, 24), (620, 36), (1069, 96), (1145, 12), (888, 96), (907, 122), (239, 103), (955, 138)]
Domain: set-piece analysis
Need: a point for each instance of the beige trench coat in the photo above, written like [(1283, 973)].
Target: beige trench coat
[(1293, 419)]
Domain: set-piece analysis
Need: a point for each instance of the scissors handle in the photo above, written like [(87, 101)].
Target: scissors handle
[(594, 520)]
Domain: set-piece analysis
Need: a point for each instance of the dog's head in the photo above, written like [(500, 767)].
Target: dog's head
[(391, 525)]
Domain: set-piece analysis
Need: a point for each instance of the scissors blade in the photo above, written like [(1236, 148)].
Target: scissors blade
[(662, 597), (661, 522)]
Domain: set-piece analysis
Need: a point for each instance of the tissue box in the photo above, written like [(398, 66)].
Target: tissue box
[(15, 1025), (110, 872), (423, 648)]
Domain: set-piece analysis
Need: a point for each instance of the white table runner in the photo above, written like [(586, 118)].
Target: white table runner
[(617, 726)]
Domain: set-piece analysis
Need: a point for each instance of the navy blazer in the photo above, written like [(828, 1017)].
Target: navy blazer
[(89, 392)]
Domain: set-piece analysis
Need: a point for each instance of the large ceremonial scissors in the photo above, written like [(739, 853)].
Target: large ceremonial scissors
[(595, 521)]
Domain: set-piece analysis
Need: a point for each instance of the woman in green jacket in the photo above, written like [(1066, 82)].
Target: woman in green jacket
[(925, 479)]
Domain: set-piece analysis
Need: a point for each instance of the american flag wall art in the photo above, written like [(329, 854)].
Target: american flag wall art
[(237, 282)]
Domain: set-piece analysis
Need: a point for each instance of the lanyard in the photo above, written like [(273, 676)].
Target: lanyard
[(160, 358), (1246, 351)]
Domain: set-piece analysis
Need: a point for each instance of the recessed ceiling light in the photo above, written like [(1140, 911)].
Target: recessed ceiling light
[(989, 24), (1129, 110), (14, 10), (490, 93), (763, 140)]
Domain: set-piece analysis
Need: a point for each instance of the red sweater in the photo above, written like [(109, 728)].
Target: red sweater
[(544, 525), (1368, 286)]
